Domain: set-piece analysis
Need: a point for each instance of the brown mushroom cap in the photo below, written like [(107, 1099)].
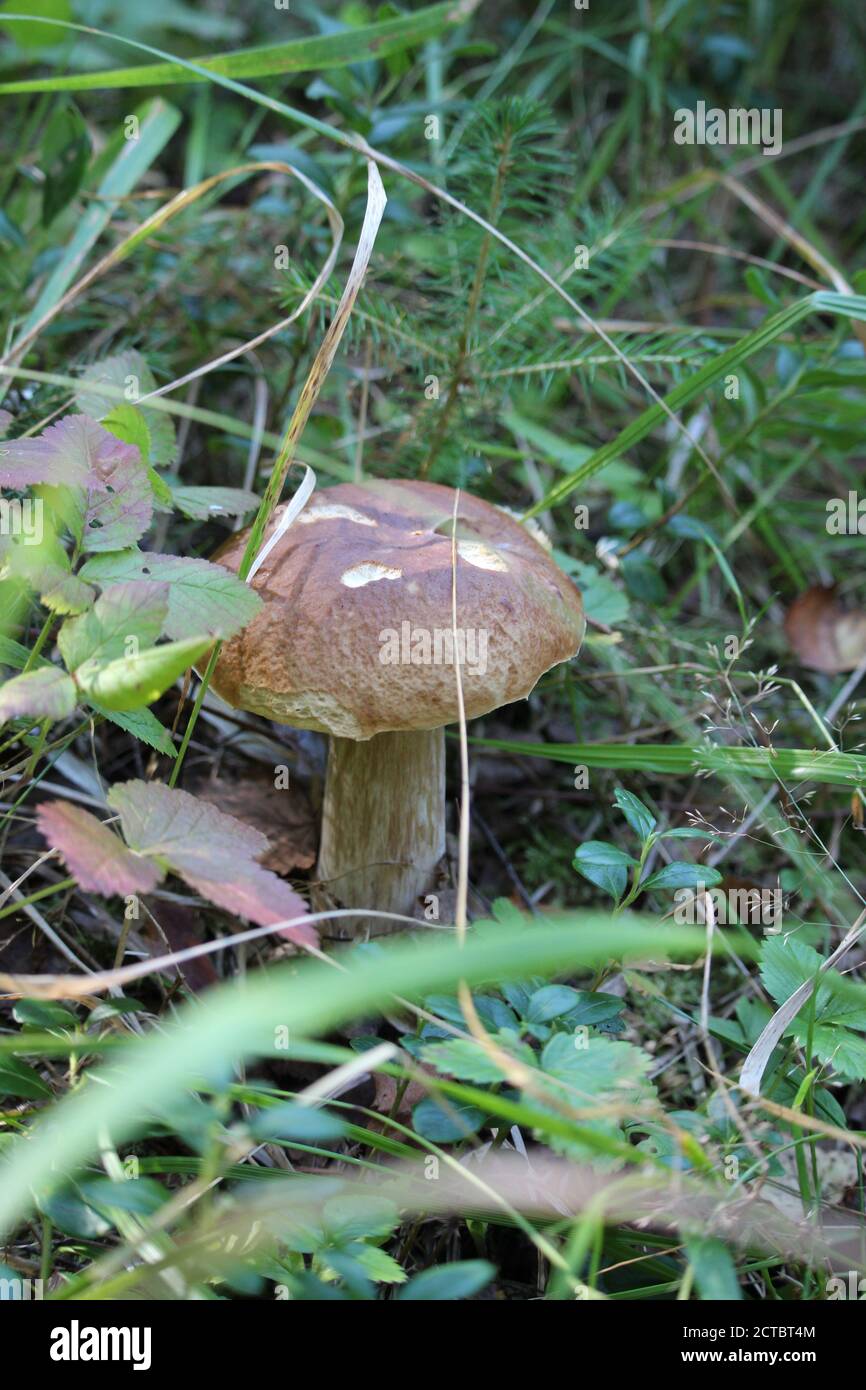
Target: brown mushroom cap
[(355, 635)]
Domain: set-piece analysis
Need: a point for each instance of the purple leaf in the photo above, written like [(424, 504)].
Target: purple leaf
[(99, 860), (76, 451), (119, 504), (258, 895), (46, 694), (215, 853)]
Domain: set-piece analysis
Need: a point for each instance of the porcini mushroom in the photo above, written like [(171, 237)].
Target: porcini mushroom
[(355, 640)]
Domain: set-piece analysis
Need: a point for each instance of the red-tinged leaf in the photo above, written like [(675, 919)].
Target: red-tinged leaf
[(257, 895), (76, 452), (119, 504), (213, 852), (172, 823), (45, 694), (99, 860)]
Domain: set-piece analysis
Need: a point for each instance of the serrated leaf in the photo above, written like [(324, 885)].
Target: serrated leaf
[(467, 1060), (48, 693), (118, 513), (182, 829), (600, 1068), (639, 817), (215, 853), (836, 1047), (128, 615), (202, 597), (142, 724), (683, 875), (201, 503), (379, 1266), (65, 594), (128, 372), (787, 963), (99, 860), (127, 422), (132, 681), (75, 453)]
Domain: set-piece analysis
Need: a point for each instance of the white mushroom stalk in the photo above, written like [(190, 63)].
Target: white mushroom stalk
[(356, 640)]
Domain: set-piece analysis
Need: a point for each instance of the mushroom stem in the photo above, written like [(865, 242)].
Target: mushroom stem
[(383, 827)]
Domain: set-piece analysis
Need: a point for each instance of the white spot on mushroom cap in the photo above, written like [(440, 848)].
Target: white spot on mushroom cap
[(480, 555), (366, 573), (334, 511)]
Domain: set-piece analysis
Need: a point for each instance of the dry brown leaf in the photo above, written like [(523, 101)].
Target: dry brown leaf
[(824, 635), (283, 814)]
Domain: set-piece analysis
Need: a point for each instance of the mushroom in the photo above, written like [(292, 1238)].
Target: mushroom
[(355, 640)]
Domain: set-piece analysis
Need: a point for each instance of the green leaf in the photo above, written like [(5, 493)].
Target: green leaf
[(681, 760), (142, 724), (336, 48), (467, 1060), (45, 1015), (128, 372), (787, 963), (65, 152), (837, 1047), (202, 597), (44, 694), (604, 865), (639, 817), (142, 1196), (34, 35), (121, 166), (595, 1008), (681, 874), (132, 681), (304, 1123), (462, 1279), (714, 1270), (12, 653), (441, 1126), (127, 616), (688, 832), (19, 1079), (202, 503), (226, 1024), (127, 422), (378, 1265), (549, 1002), (74, 1217)]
